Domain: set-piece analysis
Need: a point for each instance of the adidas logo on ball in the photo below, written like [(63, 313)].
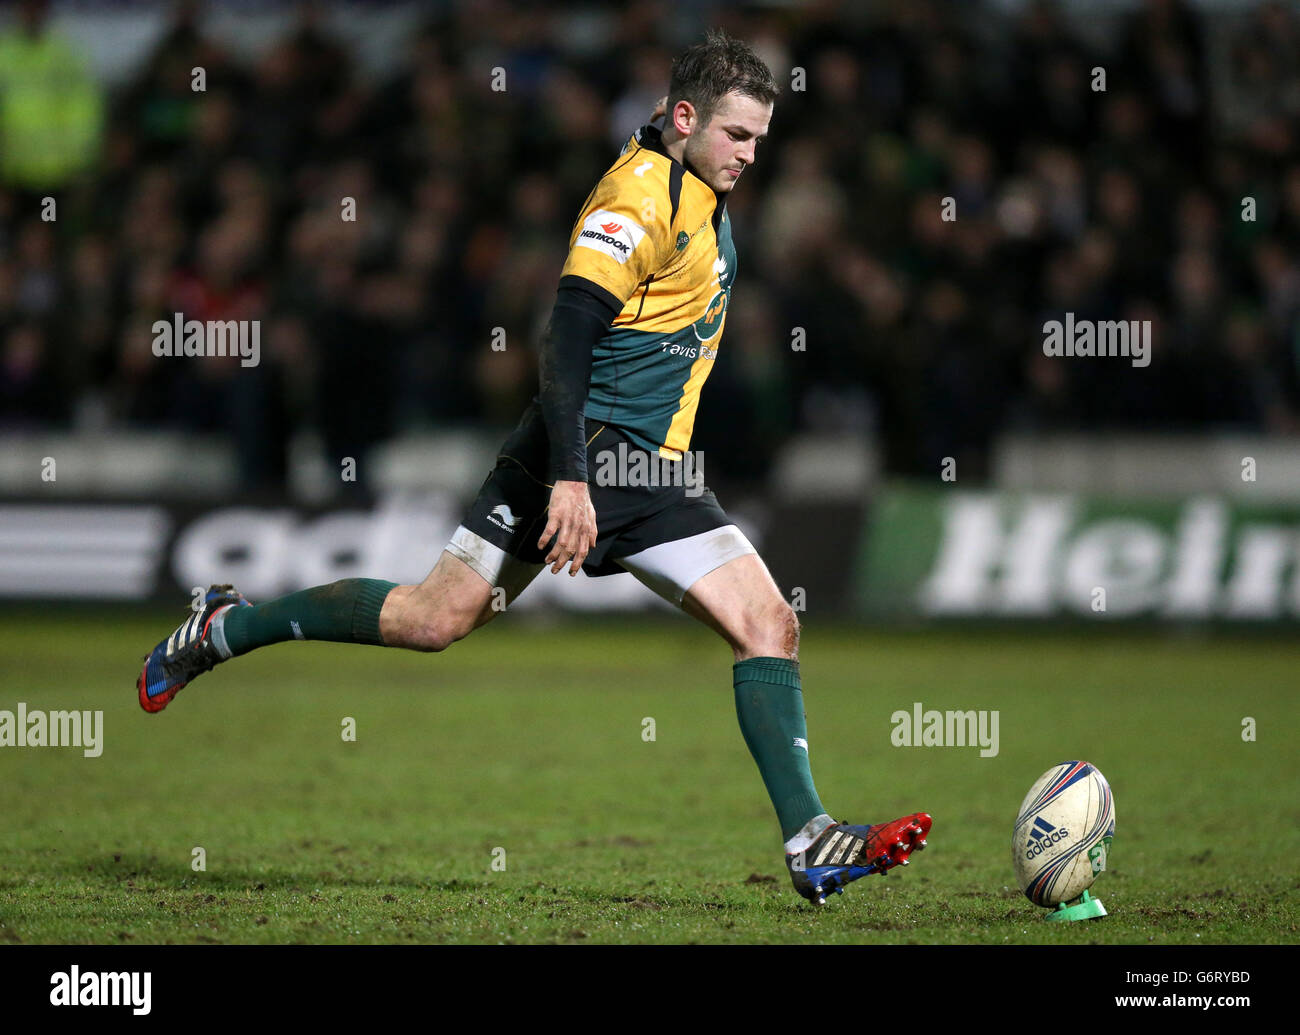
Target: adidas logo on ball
[(1042, 836)]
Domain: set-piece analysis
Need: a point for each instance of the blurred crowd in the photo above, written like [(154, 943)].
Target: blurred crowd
[(1171, 195)]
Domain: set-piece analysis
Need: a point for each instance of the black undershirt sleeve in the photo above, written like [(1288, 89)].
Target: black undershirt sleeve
[(578, 321)]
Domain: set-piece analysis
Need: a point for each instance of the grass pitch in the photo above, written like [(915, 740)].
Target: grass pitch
[(524, 748)]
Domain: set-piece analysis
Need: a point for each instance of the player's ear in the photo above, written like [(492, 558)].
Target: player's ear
[(684, 118)]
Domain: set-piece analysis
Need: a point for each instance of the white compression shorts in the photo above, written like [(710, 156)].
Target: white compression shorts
[(670, 569)]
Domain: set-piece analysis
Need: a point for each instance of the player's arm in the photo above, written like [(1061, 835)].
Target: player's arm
[(577, 323), (619, 245)]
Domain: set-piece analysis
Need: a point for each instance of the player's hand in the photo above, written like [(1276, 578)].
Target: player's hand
[(661, 109), (571, 519)]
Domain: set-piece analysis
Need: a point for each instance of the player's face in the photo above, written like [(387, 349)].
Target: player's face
[(720, 150)]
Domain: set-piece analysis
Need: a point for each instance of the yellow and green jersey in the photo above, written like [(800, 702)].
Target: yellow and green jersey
[(654, 242)]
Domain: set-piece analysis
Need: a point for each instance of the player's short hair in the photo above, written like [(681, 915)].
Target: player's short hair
[(705, 72)]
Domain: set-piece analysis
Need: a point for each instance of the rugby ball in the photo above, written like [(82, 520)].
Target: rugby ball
[(1062, 834)]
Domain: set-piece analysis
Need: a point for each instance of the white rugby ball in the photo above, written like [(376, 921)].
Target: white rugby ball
[(1062, 834)]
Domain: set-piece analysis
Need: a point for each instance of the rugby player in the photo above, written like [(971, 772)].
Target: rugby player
[(633, 335)]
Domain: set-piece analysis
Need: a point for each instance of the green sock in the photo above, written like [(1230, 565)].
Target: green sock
[(769, 704), (344, 612)]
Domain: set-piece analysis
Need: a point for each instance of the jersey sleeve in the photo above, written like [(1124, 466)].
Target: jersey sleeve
[(577, 322), (624, 233)]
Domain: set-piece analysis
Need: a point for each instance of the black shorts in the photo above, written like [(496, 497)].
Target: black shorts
[(641, 501)]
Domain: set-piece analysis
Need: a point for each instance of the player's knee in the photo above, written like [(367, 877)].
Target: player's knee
[(440, 631), (785, 627), (772, 632)]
